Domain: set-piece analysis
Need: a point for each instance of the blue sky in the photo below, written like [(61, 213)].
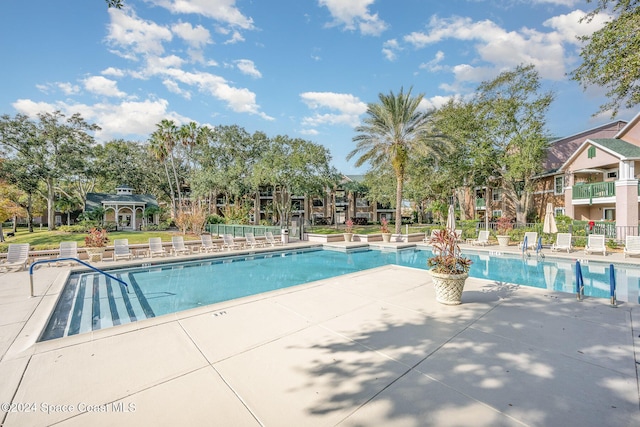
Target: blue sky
[(303, 68)]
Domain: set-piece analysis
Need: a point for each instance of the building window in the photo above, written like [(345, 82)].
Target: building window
[(558, 211), (318, 203), (558, 187), (496, 195), (591, 152), (362, 203), (613, 174), (496, 213)]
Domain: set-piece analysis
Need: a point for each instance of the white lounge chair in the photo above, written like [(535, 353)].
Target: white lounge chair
[(207, 244), (483, 238), (563, 242), (67, 250), (121, 249), (251, 241), (632, 246), (178, 247), (229, 242), (531, 238), (17, 257), (459, 235), (431, 237), (155, 247), (268, 235), (596, 243)]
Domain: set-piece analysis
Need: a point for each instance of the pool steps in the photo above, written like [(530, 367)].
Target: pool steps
[(94, 301)]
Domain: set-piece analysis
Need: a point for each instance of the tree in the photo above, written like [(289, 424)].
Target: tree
[(54, 148), (471, 160), (393, 130), (292, 166), (161, 144), (513, 135), (611, 55), (115, 3)]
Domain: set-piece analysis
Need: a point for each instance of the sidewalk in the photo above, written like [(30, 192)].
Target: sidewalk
[(370, 348)]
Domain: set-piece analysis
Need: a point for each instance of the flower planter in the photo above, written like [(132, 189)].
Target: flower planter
[(503, 240), (348, 237), (95, 254), (449, 287), (386, 237)]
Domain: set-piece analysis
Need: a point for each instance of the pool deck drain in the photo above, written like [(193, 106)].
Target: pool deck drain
[(369, 348)]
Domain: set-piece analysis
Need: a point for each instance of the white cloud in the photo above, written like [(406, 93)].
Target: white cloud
[(240, 100), (389, 49), (196, 37), (113, 72), (236, 37), (115, 120), (497, 48), (224, 11), (434, 64), (246, 66), (354, 14), (102, 86), (173, 87), (132, 36), (348, 107), (568, 3), (68, 88), (569, 27)]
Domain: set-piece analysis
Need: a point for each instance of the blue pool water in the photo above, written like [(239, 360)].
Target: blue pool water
[(91, 301)]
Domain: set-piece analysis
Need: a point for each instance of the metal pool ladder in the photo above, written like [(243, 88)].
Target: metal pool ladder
[(46, 261)]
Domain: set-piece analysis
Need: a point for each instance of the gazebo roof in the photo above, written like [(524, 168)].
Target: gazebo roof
[(97, 200)]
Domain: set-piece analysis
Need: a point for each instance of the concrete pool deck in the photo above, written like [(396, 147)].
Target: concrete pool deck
[(364, 349)]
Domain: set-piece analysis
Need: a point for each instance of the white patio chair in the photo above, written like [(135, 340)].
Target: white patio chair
[(268, 235), (483, 238), (17, 257), (563, 242), (229, 242), (67, 250), (632, 246), (207, 244), (251, 241), (596, 243), (431, 237), (459, 235), (532, 240), (155, 247), (121, 249), (178, 247)]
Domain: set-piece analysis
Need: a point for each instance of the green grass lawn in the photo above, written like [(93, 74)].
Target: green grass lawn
[(44, 239)]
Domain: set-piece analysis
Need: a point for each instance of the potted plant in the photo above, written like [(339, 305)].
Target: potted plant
[(449, 268), (384, 229), (503, 226), (96, 243), (348, 230)]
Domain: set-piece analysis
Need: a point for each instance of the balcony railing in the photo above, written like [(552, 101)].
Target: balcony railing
[(480, 203), (594, 191)]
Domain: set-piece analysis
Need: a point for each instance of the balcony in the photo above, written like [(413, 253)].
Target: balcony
[(596, 190), (481, 203)]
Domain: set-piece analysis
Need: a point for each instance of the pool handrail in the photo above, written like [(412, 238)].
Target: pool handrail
[(46, 261)]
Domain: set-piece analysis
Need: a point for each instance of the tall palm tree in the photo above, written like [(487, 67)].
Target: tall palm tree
[(393, 130)]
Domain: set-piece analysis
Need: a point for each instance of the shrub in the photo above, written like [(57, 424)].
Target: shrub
[(96, 239), (215, 219)]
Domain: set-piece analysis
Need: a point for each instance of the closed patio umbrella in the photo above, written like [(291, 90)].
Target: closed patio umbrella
[(451, 219), (549, 225)]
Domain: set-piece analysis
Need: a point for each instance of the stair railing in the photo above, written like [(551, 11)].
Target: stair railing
[(46, 261)]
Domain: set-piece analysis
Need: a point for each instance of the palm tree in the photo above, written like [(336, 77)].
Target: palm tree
[(161, 146), (393, 130)]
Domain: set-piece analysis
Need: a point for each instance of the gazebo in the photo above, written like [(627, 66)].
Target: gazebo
[(126, 209)]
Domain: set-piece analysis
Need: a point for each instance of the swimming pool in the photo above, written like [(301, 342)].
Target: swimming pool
[(91, 301)]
